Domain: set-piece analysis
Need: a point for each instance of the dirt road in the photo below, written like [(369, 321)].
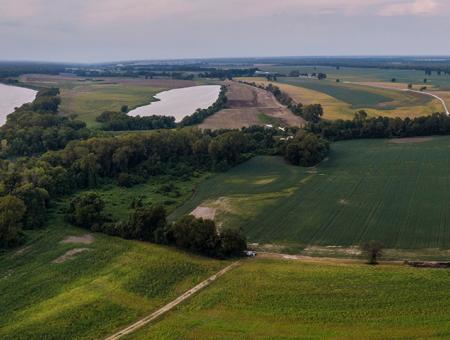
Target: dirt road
[(434, 96), (172, 304)]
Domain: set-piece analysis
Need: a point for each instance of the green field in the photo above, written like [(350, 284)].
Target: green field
[(104, 288), (357, 96), (366, 189), (282, 300)]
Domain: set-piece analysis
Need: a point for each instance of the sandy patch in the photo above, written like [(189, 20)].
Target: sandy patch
[(83, 239), (70, 255), (343, 201), (264, 181), (410, 140), (206, 213)]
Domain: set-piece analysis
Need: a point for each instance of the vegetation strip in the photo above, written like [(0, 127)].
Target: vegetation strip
[(174, 303)]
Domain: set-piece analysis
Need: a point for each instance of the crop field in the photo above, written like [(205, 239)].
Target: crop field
[(273, 299), (341, 101), (59, 287), (395, 191), (89, 97)]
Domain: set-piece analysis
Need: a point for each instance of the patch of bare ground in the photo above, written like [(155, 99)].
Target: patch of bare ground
[(22, 251), (83, 239), (245, 106), (70, 255), (206, 213), (410, 140)]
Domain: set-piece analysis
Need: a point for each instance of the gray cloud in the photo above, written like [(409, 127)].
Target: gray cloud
[(86, 30)]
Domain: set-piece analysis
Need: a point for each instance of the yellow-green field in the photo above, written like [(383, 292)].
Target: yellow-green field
[(272, 299), (396, 103), (108, 285)]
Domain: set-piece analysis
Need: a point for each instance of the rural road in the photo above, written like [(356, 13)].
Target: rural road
[(435, 96), (172, 304)]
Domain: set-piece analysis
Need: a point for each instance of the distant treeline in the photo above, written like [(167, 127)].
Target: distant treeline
[(15, 69)]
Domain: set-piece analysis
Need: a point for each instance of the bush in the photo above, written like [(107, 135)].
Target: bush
[(12, 211), (86, 210)]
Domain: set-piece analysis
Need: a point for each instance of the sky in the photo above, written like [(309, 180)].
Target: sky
[(115, 30)]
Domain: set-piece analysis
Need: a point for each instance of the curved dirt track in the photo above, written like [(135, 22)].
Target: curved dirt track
[(130, 329)]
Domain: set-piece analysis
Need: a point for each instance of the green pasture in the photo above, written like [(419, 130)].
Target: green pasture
[(271, 299), (89, 101), (366, 189), (99, 291)]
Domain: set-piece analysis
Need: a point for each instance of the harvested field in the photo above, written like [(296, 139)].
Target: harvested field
[(250, 106)]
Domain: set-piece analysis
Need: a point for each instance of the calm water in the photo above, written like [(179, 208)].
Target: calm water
[(12, 97), (180, 102)]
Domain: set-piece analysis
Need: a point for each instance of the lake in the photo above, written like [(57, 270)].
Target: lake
[(180, 103), (12, 97)]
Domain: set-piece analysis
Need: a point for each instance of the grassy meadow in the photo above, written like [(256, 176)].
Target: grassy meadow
[(110, 284), (367, 189), (275, 299)]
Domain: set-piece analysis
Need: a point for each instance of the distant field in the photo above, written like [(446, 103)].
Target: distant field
[(110, 284), (342, 100), (88, 97), (369, 74), (369, 189), (282, 300)]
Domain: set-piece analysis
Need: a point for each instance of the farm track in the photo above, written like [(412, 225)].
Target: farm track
[(168, 307)]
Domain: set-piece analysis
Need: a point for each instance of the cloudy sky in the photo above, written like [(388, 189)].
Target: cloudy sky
[(111, 30)]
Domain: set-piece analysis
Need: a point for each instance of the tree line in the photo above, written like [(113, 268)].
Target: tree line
[(362, 126), (149, 223), (311, 113)]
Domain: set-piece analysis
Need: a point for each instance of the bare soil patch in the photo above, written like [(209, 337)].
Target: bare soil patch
[(83, 239), (22, 251), (410, 140), (206, 213), (70, 255)]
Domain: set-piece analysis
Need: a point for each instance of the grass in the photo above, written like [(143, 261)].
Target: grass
[(103, 289), (89, 101), (281, 300), (118, 199), (367, 189)]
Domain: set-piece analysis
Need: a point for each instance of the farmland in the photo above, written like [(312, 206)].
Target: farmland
[(48, 293), (367, 189), (249, 106), (274, 299), (341, 100)]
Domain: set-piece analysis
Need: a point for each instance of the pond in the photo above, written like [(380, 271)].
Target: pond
[(180, 103), (12, 97)]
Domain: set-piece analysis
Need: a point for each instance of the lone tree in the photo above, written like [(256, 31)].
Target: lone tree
[(373, 249)]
